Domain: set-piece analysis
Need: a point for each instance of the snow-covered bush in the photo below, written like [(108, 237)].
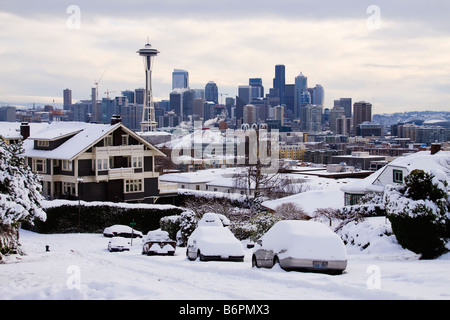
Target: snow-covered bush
[(188, 223), (419, 212), (170, 224), (20, 194), (262, 222)]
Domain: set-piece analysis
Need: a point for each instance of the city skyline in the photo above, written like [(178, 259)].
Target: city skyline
[(393, 55)]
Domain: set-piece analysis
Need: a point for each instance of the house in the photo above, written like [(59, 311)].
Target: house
[(394, 173), (94, 162)]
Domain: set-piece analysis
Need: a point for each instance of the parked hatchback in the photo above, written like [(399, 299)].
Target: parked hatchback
[(158, 242), (301, 245), (212, 241)]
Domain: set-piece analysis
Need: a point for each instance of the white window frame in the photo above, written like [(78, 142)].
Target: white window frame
[(133, 185), (66, 165), (43, 143), (69, 188), (40, 162), (108, 141), (136, 162), (125, 139), (102, 164)]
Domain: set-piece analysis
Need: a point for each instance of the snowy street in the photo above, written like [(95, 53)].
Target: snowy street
[(79, 266)]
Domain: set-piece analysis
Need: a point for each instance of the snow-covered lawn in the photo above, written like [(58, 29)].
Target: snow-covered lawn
[(79, 266)]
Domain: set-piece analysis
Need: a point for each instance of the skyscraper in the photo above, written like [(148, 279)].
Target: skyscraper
[(245, 93), (362, 111), (346, 103), (67, 99), (257, 89), (212, 92), (318, 95), (300, 95), (279, 81), (180, 79), (249, 114)]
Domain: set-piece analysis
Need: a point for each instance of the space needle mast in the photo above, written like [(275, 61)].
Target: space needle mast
[(148, 122)]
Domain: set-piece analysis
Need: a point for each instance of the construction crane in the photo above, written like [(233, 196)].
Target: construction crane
[(108, 92), (222, 94), (96, 111)]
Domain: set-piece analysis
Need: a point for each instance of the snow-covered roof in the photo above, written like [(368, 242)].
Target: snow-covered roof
[(199, 136), (11, 130), (311, 200), (81, 137), (202, 176), (422, 160)]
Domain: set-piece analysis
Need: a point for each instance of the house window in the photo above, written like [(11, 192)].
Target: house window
[(137, 162), (67, 165), (125, 139), (134, 185), (102, 164), (397, 176), (68, 188), (108, 141), (352, 199), (43, 143), (39, 165)]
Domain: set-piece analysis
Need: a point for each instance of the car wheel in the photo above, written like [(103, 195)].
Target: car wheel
[(254, 262), (187, 255), (202, 257)]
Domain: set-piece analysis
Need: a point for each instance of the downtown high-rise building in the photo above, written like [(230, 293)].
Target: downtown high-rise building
[(257, 88), (362, 111), (67, 99), (279, 82), (180, 79), (212, 92)]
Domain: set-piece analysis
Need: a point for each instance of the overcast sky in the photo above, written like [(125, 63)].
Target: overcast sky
[(395, 54)]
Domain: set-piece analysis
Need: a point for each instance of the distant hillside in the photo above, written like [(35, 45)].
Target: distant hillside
[(393, 118)]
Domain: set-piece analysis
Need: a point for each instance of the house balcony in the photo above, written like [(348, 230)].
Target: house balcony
[(166, 187), (125, 150), (120, 173)]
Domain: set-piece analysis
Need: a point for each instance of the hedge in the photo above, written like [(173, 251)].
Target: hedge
[(87, 218)]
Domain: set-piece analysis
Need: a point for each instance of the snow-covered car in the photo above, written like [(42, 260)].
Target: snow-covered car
[(301, 245), (119, 244), (119, 230), (158, 242), (212, 241)]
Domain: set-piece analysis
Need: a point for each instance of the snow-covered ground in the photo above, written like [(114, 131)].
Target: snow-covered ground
[(79, 266)]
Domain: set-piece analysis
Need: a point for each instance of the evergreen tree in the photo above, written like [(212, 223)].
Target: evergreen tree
[(419, 212), (20, 195)]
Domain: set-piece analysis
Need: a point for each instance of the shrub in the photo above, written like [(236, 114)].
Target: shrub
[(262, 223), (419, 212), (70, 217)]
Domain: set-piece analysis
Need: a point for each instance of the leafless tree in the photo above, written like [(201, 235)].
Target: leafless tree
[(291, 211)]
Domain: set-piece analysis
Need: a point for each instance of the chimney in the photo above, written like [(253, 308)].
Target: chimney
[(115, 119), (24, 130), (435, 147)]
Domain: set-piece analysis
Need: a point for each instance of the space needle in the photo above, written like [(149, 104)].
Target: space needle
[(148, 122)]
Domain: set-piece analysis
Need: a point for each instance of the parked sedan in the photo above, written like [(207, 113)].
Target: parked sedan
[(158, 242), (302, 245), (119, 230), (212, 241), (119, 244)]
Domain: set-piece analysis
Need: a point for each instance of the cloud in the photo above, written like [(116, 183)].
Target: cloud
[(228, 42)]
